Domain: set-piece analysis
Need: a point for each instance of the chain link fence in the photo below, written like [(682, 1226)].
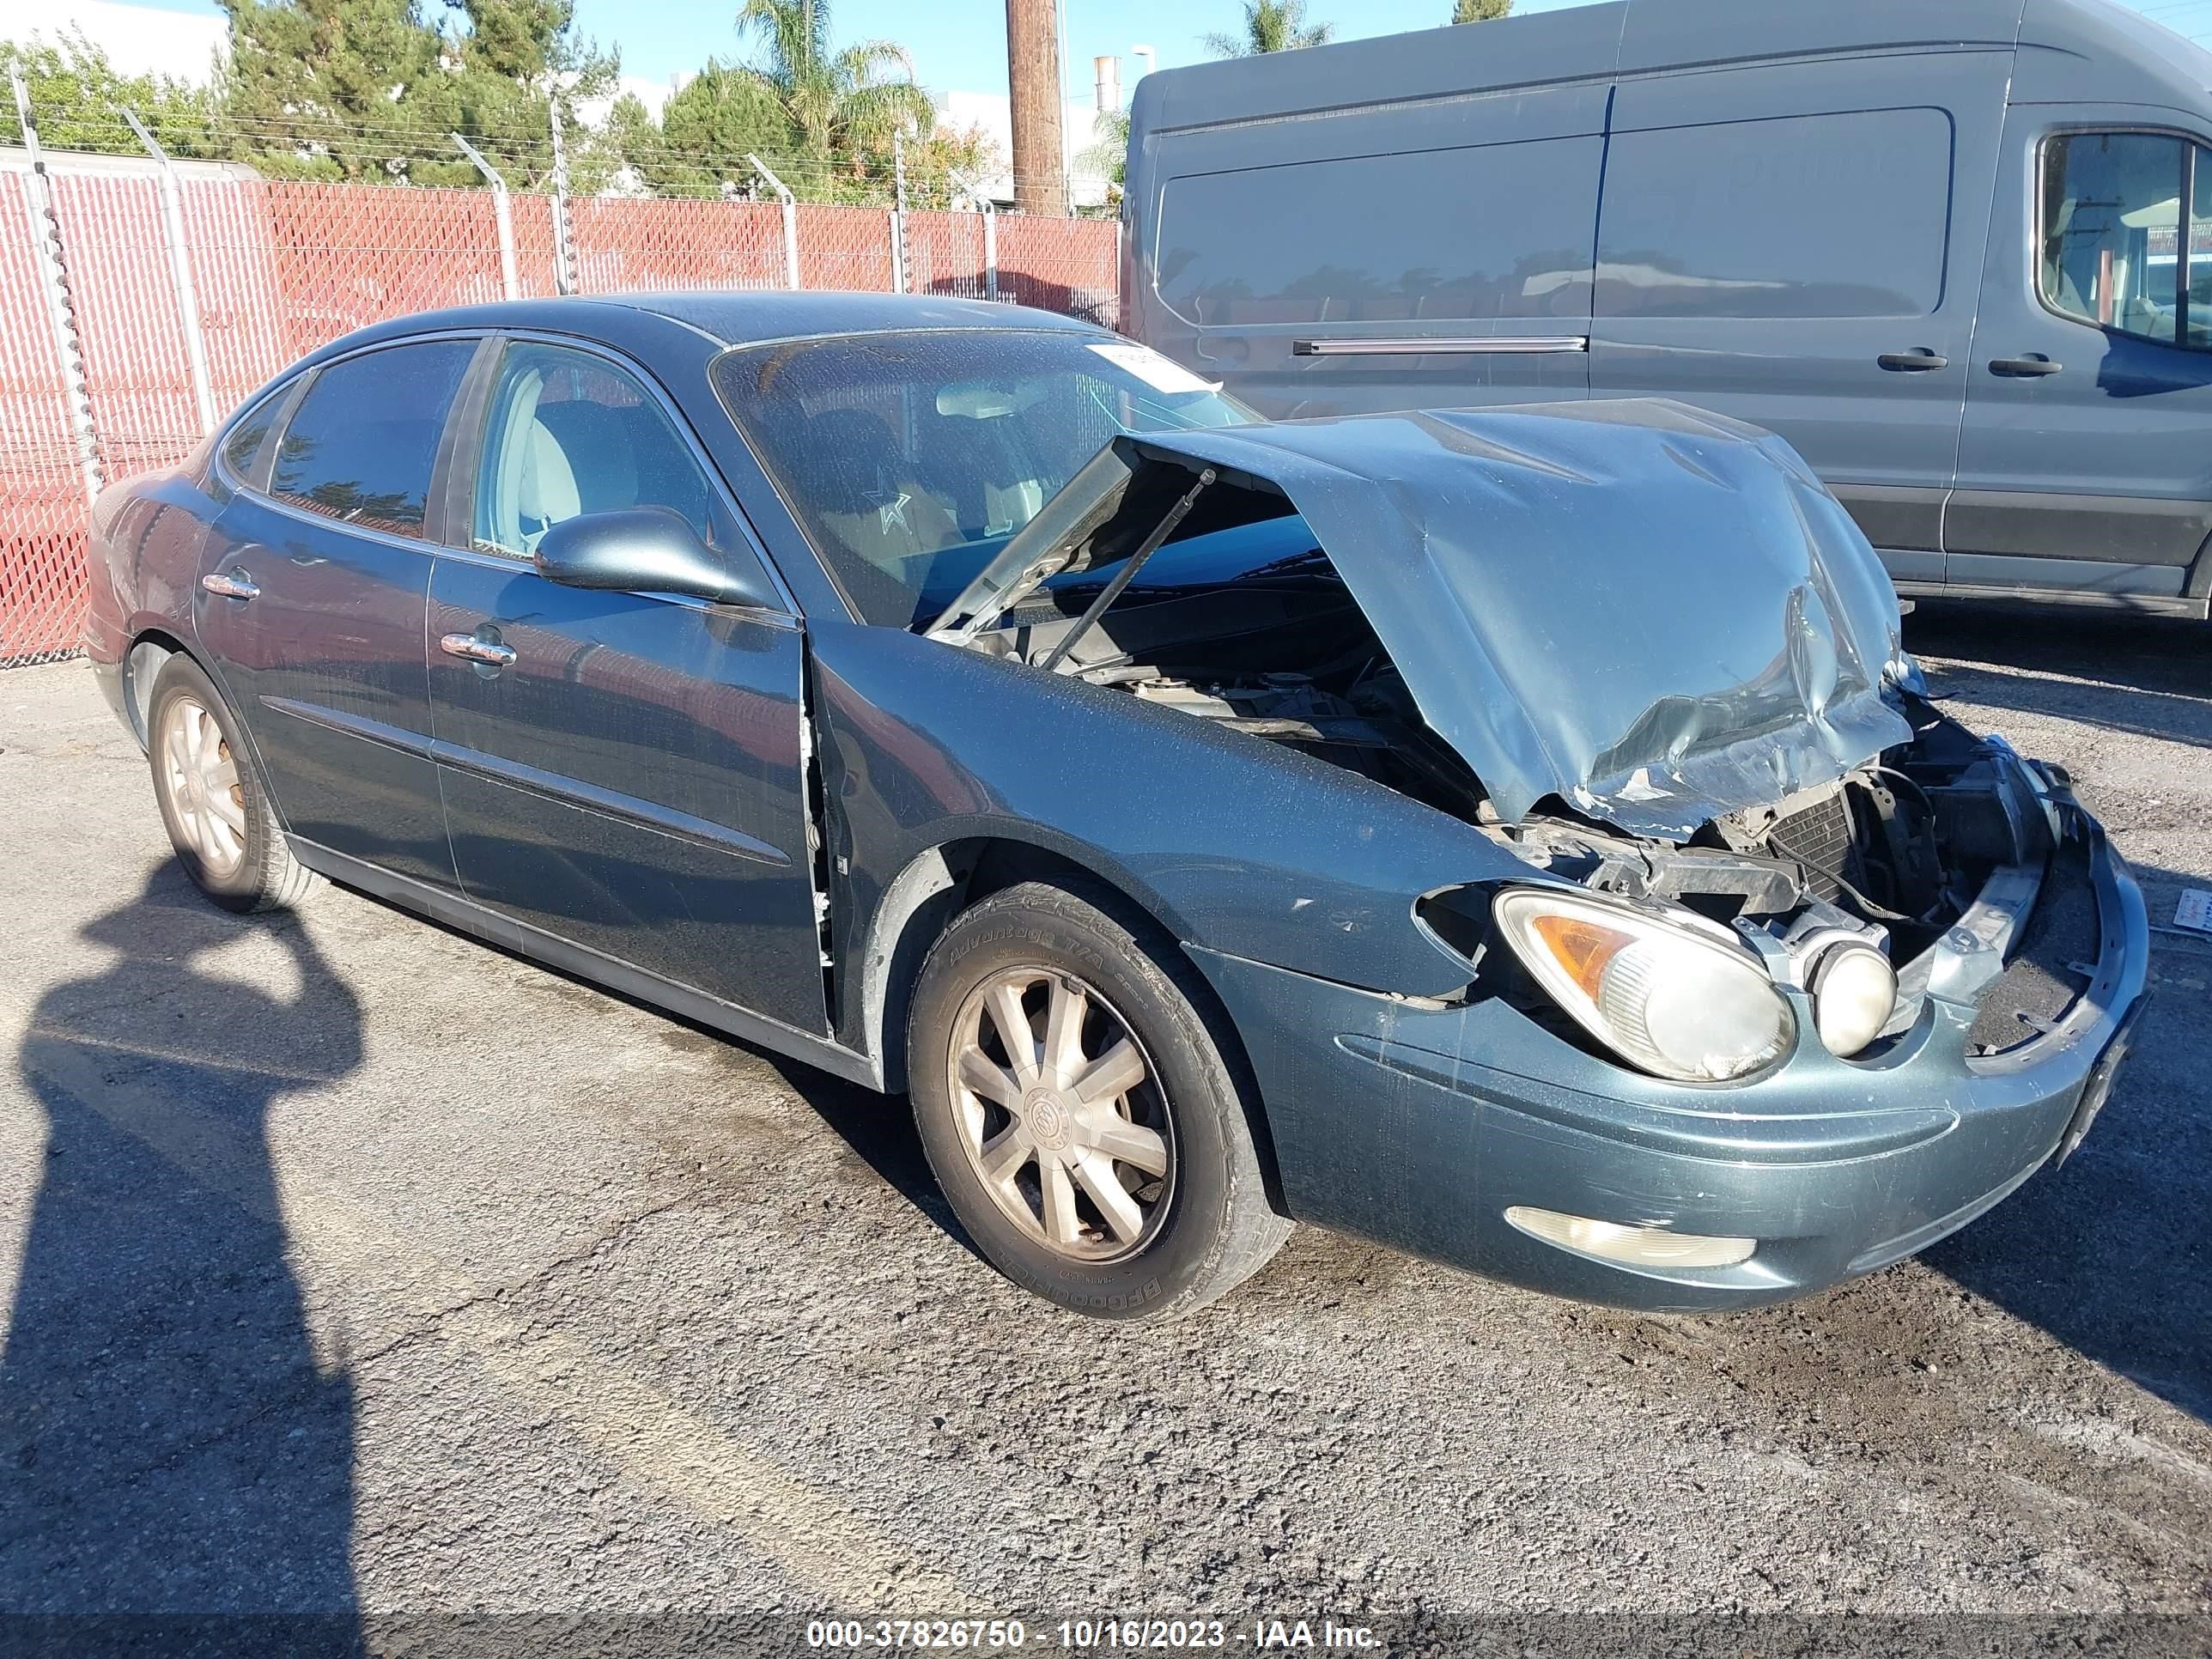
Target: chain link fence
[(272, 269)]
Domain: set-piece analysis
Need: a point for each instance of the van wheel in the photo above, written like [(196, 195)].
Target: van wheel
[(212, 800), (1077, 1112)]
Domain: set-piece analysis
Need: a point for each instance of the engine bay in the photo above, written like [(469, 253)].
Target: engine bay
[(1895, 851)]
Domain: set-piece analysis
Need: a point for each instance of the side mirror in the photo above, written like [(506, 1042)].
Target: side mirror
[(645, 550)]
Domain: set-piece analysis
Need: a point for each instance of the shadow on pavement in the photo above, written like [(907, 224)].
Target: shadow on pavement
[(171, 1445), (2111, 1253), (2148, 676)]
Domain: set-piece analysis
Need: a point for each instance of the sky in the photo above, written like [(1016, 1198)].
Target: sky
[(961, 44), (957, 45)]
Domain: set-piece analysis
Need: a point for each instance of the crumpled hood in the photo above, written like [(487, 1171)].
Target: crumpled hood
[(1656, 614)]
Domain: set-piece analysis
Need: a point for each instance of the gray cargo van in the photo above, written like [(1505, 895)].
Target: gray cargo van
[(1957, 252)]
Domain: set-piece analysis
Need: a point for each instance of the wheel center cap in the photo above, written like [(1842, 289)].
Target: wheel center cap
[(1047, 1118)]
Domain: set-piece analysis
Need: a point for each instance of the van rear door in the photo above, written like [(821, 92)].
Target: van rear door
[(2083, 470), (1800, 246)]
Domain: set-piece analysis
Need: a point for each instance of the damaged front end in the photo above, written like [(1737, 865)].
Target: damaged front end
[(1640, 648)]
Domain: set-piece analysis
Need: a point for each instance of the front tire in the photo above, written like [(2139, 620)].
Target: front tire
[(1079, 1113), (213, 801)]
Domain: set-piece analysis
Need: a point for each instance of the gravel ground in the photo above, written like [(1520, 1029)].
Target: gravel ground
[(355, 1269)]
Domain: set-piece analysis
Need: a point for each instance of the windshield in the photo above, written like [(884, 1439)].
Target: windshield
[(910, 458)]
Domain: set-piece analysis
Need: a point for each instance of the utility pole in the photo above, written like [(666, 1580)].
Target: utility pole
[(1033, 73)]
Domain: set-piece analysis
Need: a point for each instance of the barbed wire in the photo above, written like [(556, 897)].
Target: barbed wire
[(596, 152)]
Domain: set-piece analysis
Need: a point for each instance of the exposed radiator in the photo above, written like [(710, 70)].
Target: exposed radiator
[(1819, 837)]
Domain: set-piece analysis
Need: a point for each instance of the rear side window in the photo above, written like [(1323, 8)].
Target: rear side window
[(1814, 216), (2125, 229), (241, 445), (364, 443), (1456, 235)]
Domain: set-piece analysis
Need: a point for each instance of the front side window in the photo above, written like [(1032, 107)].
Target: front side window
[(2121, 216), (362, 447), (568, 433), (908, 459)]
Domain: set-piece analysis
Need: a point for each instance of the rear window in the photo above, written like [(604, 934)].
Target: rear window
[(1456, 235), (362, 445), (1814, 216)]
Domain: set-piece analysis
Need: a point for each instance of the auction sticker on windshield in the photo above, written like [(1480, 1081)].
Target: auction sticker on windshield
[(1161, 373)]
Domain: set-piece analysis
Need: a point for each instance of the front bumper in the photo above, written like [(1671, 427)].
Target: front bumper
[(1418, 1128)]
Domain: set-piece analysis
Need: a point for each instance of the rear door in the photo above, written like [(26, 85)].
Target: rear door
[(2084, 467), (631, 778), (1800, 247), (323, 566)]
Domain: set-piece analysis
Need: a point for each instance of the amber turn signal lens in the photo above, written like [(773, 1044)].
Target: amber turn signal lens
[(1581, 946)]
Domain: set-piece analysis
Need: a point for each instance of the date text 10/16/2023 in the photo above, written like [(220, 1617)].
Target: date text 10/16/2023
[(1094, 1634)]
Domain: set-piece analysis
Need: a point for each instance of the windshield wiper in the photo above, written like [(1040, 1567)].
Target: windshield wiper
[(1130, 567)]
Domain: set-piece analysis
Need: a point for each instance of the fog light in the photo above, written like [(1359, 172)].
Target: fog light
[(1853, 989), (1639, 1247)]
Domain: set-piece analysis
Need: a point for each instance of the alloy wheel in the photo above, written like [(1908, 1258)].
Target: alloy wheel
[(201, 777), (1059, 1110)]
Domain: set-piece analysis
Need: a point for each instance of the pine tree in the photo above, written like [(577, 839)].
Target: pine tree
[(511, 63), (340, 89), (714, 122)]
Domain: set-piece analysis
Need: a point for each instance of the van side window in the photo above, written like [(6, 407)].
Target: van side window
[(1809, 215), (2120, 215), (1458, 236)]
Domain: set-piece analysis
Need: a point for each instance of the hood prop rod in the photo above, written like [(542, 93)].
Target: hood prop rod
[(1128, 573)]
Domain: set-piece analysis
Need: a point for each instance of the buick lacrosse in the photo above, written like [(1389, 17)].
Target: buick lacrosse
[(1517, 836)]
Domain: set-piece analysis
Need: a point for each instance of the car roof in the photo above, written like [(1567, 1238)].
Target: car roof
[(722, 318)]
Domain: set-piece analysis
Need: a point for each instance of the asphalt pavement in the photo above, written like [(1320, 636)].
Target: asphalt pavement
[(355, 1271)]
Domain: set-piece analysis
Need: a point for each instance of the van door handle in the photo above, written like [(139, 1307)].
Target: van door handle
[(469, 647), (1908, 362), (231, 584), (2026, 366)]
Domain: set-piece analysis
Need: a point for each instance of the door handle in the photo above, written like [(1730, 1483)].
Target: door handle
[(1907, 363), (230, 584), (2026, 367), (473, 649)]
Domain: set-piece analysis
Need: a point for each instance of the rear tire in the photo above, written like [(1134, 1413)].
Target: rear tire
[(1101, 1159), (213, 801)]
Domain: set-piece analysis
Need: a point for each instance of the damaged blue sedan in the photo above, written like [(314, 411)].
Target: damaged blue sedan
[(1518, 837)]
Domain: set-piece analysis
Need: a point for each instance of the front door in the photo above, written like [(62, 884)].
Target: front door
[(1808, 264), (317, 629), (2085, 466), (631, 776)]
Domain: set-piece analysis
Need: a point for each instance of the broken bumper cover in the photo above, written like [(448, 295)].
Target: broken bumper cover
[(1418, 1128)]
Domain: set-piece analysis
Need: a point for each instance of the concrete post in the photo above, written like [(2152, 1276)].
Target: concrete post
[(564, 246), (790, 221), (180, 273), (503, 212), (53, 283)]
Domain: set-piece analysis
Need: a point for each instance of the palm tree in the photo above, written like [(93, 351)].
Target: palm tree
[(1271, 25), (837, 102)]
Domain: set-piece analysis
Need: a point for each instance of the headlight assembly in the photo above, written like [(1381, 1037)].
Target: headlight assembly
[(1664, 995)]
